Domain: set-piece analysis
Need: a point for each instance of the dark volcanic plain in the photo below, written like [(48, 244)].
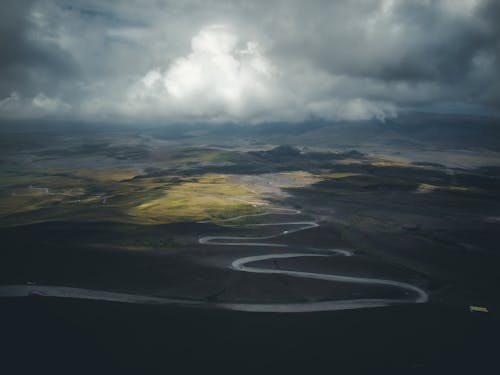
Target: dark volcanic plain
[(129, 212)]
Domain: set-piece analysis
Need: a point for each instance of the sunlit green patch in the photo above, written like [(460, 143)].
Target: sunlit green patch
[(107, 175), (198, 156), (334, 175), (428, 188), (207, 197), (315, 177)]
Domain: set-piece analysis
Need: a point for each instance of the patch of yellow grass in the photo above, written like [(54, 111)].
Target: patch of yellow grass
[(337, 175), (428, 188), (207, 197), (201, 156), (380, 160), (315, 177), (108, 195), (14, 204), (297, 174), (105, 175), (37, 179), (349, 161)]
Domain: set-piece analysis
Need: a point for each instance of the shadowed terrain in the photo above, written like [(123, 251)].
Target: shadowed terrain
[(145, 224)]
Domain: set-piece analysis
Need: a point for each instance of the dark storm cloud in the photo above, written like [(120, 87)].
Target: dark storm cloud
[(412, 42), (491, 14), (246, 61), (26, 63)]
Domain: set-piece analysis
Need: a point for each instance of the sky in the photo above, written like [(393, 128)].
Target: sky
[(219, 61)]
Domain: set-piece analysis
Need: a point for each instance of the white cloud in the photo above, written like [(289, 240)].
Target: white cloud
[(353, 109), (144, 60), (46, 104), (10, 103), (18, 106), (217, 79), (223, 79)]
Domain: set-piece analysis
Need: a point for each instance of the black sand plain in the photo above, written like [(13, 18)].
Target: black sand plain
[(425, 223)]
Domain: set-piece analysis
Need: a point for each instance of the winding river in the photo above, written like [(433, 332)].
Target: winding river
[(244, 264)]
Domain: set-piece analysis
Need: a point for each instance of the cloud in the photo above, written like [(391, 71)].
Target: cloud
[(223, 79), (46, 104), (15, 106), (281, 60), (29, 63), (218, 79)]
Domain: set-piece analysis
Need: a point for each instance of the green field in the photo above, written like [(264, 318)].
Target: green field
[(113, 195)]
